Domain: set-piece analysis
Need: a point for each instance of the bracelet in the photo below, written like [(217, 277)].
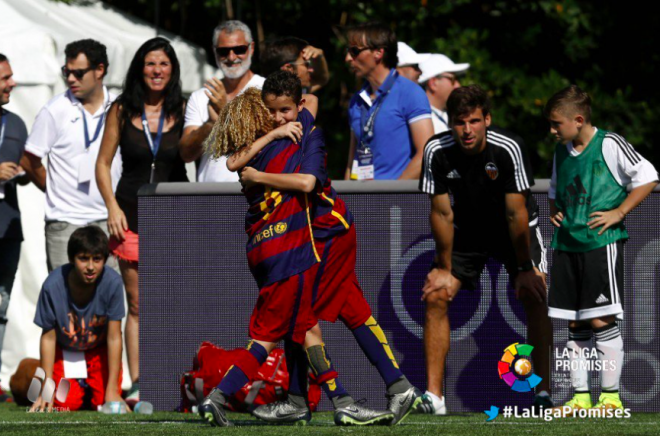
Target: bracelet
[(526, 266)]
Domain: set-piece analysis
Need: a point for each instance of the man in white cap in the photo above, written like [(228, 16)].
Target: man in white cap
[(439, 78), (409, 61)]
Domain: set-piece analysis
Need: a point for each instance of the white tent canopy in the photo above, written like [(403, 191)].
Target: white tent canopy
[(33, 34)]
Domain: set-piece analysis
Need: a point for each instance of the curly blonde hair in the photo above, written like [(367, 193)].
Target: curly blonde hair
[(242, 121)]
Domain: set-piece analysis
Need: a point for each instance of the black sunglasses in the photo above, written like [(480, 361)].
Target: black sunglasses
[(78, 74), (355, 51), (238, 50)]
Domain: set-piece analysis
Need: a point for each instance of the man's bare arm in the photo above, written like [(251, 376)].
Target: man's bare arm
[(518, 219), (34, 170), (421, 131), (190, 144)]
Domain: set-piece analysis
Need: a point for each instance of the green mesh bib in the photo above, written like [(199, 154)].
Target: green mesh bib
[(585, 185)]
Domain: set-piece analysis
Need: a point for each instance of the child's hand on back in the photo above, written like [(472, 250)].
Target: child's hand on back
[(557, 218), (248, 177), (292, 131)]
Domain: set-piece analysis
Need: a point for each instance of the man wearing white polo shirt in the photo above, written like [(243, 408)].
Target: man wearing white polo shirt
[(439, 78), (409, 61), (68, 130), (233, 47)]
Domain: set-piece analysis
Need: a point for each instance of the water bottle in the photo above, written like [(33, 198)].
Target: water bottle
[(143, 408), (113, 408)]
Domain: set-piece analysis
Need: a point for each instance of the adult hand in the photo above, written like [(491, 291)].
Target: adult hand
[(117, 223), (605, 219), (439, 280), (8, 170), (216, 93), (557, 218), (292, 131), (310, 52), (532, 283), (248, 177)]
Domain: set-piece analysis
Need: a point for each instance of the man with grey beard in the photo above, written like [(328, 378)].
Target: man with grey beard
[(233, 47)]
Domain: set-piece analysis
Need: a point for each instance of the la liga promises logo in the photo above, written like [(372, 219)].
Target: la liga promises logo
[(515, 368)]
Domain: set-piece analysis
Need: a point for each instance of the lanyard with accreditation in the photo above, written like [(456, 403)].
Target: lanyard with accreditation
[(154, 144), (2, 127), (363, 162), (88, 161), (2, 139)]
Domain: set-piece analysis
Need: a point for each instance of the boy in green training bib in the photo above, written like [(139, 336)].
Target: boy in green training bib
[(588, 202)]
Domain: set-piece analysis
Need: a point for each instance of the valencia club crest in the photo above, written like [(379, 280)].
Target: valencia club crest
[(492, 171)]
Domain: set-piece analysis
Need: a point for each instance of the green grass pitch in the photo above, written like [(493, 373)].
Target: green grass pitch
[(15, 421)]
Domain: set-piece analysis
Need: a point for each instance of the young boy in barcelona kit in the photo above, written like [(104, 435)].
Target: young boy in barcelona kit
[(303, 145)]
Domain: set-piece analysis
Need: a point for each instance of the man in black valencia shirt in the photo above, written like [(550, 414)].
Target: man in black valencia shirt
[(494, 215)]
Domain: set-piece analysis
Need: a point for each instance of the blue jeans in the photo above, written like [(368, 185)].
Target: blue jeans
[(10, 252)]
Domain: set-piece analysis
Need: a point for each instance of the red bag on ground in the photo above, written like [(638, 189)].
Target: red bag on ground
[(212, 363)]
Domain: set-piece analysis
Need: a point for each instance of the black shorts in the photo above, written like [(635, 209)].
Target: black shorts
[(468, 258), (587, 285)]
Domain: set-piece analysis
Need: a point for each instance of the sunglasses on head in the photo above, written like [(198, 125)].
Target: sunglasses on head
[(238, 50), (355, 51), (78, 74)]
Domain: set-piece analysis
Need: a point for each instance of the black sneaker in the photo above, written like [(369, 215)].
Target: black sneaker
[(211, 409), (283, 412), (542, 402), (357, 414)]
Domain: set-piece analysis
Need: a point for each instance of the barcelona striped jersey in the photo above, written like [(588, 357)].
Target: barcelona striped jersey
[(281, 226)]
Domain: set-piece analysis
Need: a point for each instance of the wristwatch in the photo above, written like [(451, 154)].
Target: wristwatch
[(526, 266)]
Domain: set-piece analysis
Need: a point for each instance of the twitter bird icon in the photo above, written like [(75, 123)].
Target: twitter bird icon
[(492, 413)]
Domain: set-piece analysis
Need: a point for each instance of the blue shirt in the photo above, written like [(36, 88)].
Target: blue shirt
[(392, 145), (80, 328)]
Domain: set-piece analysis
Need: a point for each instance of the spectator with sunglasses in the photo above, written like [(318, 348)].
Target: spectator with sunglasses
[(409, 61), (439, 78), (297, 56), (233, 47), (68, 130), (390, 116)]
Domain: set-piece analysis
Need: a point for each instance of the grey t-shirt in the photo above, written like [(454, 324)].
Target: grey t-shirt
[(80, 328), (11, 150)]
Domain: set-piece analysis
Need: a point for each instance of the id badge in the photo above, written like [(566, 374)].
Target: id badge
[(365, 164), (75, 366), (86, 167)]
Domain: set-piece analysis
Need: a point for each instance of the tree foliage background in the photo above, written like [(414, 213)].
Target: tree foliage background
[(521, 51)]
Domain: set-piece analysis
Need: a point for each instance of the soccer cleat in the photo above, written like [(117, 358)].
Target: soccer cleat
[(402, 404), (609, 400), (432, 404), (283, 412), (357, 414), (579, 401), (211, 409)]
